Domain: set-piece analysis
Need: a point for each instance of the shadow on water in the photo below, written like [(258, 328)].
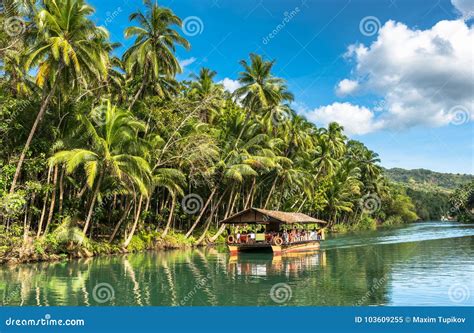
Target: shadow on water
[(418, 264)]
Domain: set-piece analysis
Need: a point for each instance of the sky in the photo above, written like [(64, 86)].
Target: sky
[(397, 74)]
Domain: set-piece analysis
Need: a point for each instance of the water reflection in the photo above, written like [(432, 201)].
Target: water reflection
[(399, 273), (292, 264)]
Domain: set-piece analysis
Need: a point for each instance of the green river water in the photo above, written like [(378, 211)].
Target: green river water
[(429, 263)]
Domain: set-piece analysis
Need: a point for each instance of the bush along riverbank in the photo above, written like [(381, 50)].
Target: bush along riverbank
[(68, 242)]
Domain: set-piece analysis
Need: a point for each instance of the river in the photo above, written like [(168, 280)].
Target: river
[(429, 263)]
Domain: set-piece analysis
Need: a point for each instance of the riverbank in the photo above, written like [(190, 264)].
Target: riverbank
[(59, 245), (15, 248), (367, 223)]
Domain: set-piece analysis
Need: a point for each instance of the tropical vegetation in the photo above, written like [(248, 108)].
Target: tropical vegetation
[(430, 191), (101, 153), (462, 203)]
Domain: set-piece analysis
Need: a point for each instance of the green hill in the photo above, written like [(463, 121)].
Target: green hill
[(429, 190), (423, 179)]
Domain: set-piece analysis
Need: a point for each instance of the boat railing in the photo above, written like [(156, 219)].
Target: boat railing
[(272, 238)]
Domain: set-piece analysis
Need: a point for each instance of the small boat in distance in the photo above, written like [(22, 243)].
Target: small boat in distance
[(280, 232)]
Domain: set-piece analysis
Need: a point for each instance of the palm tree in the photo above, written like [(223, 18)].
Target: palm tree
[(335, 139), (113, 152), (63, 52), (345, 187), (151, 58), (260, 90), (173, 180), (324, 163), (204, 90)]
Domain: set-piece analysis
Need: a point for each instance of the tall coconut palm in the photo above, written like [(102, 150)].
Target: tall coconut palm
[(334, 139), (63, 52), (204, 90), (152, 56), (345, 187), (113, 152), (324, 163), (259, 89)]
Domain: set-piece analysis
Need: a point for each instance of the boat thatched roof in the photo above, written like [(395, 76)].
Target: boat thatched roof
[(264, 216)]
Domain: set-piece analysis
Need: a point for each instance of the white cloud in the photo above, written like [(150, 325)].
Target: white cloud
[(229, 84), (420, 74), (186, 62), (346, 87), (465, 7), (355, 119)]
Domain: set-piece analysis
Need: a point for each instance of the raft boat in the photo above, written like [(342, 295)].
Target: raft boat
[(280, 232)]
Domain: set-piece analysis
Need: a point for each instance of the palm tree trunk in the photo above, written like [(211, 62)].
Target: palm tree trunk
[(123, 218), (53, 200), (170, 218), (248, 201), (247, 118), (223, 226), (147, 205), (190, 231), (137, 218), (213, 238), (39, 117), (61, 192), (139, 92), (271, 192), (92, 204), (81, 192), (301, 206), (229, 203), (43, 211), (30, 211)]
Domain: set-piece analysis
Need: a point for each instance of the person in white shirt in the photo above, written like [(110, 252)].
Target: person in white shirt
[(252, 237), (238, 236)]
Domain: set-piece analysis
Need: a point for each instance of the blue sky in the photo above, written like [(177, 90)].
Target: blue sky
[(398, 74)]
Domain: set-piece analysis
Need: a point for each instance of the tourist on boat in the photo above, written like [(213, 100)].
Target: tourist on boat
[(252, 237), (285, 236), (293, 235), (238, 236)]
